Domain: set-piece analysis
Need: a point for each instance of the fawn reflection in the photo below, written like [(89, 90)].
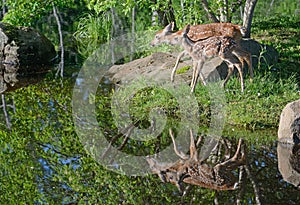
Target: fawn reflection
[(190, 170)]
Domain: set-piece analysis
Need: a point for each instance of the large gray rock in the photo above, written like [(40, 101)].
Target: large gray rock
[(24, 46), (158, 66), (289, 125), (289, 162)]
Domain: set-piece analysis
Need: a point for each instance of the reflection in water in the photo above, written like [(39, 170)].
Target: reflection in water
[(191, 170), (63, 170), (13, 77), (289, 162), (8, 76)]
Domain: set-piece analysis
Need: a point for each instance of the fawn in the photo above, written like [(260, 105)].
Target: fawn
[(204, 32)]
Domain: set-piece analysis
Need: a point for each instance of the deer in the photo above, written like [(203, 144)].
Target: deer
[(202, 50), (190, 170), (203, 32)]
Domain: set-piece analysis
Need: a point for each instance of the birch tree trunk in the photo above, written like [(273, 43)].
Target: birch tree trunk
[(61, 42), (6, 115), (224, 11), (248, 16), (211, 15), (164, 14), (132, 33)]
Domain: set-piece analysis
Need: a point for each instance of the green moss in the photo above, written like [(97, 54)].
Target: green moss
[(183, 69)]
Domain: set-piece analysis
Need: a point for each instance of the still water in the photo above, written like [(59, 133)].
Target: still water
[(44, 161)]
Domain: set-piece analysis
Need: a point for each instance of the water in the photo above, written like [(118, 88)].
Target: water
[(42, 154)]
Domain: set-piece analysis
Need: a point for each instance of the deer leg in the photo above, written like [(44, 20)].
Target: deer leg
[(198, 68), (180, 154), (243, 55), (233, 61), (176, 65), (193, 149), (194, 72), (238, 66), (230, 71)]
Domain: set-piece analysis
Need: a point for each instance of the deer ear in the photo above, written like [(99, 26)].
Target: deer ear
[(173, 25), (186, 29), (168, 28)]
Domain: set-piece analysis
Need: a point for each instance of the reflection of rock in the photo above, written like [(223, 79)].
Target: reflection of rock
[(289, 162), (24, 46), (13, 77), (289, 126), (288, 149), (158, 66), (24, 53)]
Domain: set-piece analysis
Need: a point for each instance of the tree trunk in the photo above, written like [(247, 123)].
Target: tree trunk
[(182, 6), (154, 18), (6, 115), (132, 33), (211, 15), (248, 15), (163, 15), (224, 11), (61, 43)]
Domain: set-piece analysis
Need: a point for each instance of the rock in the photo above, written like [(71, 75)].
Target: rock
[(265, 53), (25, 55), (289, 162), (24, 46), (158, 66), (289, 125)]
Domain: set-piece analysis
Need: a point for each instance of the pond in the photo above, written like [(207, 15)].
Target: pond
[(58, 151)]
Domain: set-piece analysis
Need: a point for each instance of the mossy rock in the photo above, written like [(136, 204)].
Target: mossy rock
[(24, 46)]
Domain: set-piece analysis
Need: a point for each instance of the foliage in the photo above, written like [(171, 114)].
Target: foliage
[(43, 161), (26, 12), (92, 31)]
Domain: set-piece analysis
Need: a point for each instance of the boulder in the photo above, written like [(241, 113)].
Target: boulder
[(289, 162), (158, 66), (289, 125), (24, 46)]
